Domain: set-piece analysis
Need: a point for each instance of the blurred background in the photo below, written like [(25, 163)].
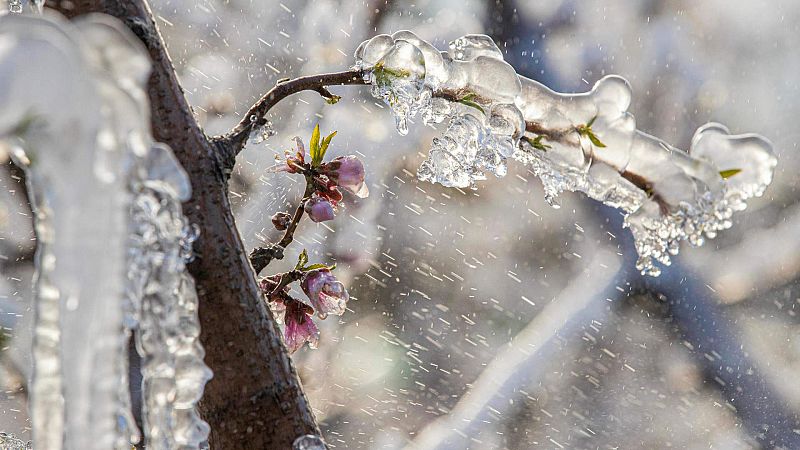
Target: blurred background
[(485, 318)]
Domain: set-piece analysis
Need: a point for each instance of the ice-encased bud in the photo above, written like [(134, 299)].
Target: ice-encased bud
[(435, 71), (398, 78), (750, 153), (319, 209)]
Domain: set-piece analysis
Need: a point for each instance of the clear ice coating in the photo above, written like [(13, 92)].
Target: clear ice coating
[(584, 142), (19, 6), (308, 442), (10, 442), (260, 134), (112, 240)]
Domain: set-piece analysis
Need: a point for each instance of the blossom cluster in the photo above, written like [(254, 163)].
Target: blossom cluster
[(325, 184)]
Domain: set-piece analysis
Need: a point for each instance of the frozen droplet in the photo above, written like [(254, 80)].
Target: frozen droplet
[(308, 442), (259, 134), (469, 47)]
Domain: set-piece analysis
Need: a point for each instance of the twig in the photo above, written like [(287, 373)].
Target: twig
[(233, 142), (260, 257)]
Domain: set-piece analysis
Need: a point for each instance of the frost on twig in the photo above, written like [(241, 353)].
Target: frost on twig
[(584, 142)]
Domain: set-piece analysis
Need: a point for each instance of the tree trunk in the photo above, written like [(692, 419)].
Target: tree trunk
[(255, 400)]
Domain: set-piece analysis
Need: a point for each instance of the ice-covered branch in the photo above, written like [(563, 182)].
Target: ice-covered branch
[(254, 119), (575, 142)]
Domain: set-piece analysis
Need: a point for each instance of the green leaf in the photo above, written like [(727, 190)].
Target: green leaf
[(725, 174), (592, 137), (537, 143), (333, 100), (301, 260), (314, 267), (468, 100), (314, 147), (591, 122), (324, 148), (384, 76), (473, 105)]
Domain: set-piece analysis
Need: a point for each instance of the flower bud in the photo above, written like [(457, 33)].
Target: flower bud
[(281, 220), (319, 209), (327, 294), (348, 172)]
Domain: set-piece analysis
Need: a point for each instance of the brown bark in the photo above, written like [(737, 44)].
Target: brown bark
[(255, 400)]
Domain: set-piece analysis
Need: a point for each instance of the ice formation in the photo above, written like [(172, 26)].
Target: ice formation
[(20, 6), (584, 142), (10, 442), (112, 240)]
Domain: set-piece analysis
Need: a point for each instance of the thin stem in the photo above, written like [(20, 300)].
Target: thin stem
[(288, 236), (261, 257), (286, 279), (233, 142)]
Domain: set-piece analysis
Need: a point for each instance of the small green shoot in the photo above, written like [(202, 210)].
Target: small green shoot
[(537, 143), (725, 174), (317, 149), (469, 101), (586, 130)]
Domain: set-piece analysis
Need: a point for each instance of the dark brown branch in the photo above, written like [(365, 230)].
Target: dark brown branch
[(557, 135), (646, 186), (233, 142)]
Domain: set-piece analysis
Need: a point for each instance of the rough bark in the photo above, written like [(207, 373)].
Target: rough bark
[(255, 400)]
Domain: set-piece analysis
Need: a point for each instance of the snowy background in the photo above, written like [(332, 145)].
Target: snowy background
[(443, 279)]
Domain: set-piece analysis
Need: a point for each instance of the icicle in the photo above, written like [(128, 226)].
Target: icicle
[(573, 142), (104, 193), (168, 327)]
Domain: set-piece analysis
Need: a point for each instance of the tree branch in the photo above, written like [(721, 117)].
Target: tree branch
[(233, 142)]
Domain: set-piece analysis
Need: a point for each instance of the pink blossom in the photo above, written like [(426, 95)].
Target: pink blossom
[(300, 328), (327, 294), (326, 188), (348, 172), (319, 209), (294, 163)]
